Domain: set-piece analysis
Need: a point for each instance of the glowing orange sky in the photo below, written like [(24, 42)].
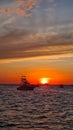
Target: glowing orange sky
[(34, 69)]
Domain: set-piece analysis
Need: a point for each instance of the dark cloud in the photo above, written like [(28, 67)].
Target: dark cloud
[(22, 44)]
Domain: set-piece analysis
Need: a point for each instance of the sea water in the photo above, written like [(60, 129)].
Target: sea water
[(44, 108)]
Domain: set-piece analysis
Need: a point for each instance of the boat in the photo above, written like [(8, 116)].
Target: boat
[(25, 85), (61, 86)]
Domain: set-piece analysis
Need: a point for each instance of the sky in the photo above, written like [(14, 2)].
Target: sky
[(36, 40)]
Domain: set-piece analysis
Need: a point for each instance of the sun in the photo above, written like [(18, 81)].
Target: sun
[(44, 80)]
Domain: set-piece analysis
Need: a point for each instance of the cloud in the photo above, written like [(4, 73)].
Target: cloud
[(8, 21), (23, 7), (25, 44), (50, 1)]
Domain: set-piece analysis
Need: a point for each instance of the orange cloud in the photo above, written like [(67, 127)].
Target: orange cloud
[(19, 2), (50, 1), (23, 8), (27, 6), (6, 11), (20, 11)]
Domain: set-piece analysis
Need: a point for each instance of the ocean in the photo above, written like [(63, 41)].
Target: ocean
[(44, 108)]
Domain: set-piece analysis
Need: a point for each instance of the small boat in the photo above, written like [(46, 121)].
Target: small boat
[(25, 85), (61, 86)]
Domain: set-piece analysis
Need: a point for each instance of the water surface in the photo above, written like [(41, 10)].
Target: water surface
[(45, 108)]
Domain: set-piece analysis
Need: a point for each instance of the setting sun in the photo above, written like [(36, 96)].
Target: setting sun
[(44, 80)]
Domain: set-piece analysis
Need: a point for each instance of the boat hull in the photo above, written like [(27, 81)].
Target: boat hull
[(27, 87)]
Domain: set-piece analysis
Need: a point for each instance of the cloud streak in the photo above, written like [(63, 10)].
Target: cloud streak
[(8, 21), (24, 44)]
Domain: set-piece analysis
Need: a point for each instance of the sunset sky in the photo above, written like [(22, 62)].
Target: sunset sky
[(36, 40)]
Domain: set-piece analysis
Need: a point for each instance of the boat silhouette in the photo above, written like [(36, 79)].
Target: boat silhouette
[(61, 86), (25, 85)]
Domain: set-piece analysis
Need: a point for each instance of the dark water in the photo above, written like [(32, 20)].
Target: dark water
[(42, 109)]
